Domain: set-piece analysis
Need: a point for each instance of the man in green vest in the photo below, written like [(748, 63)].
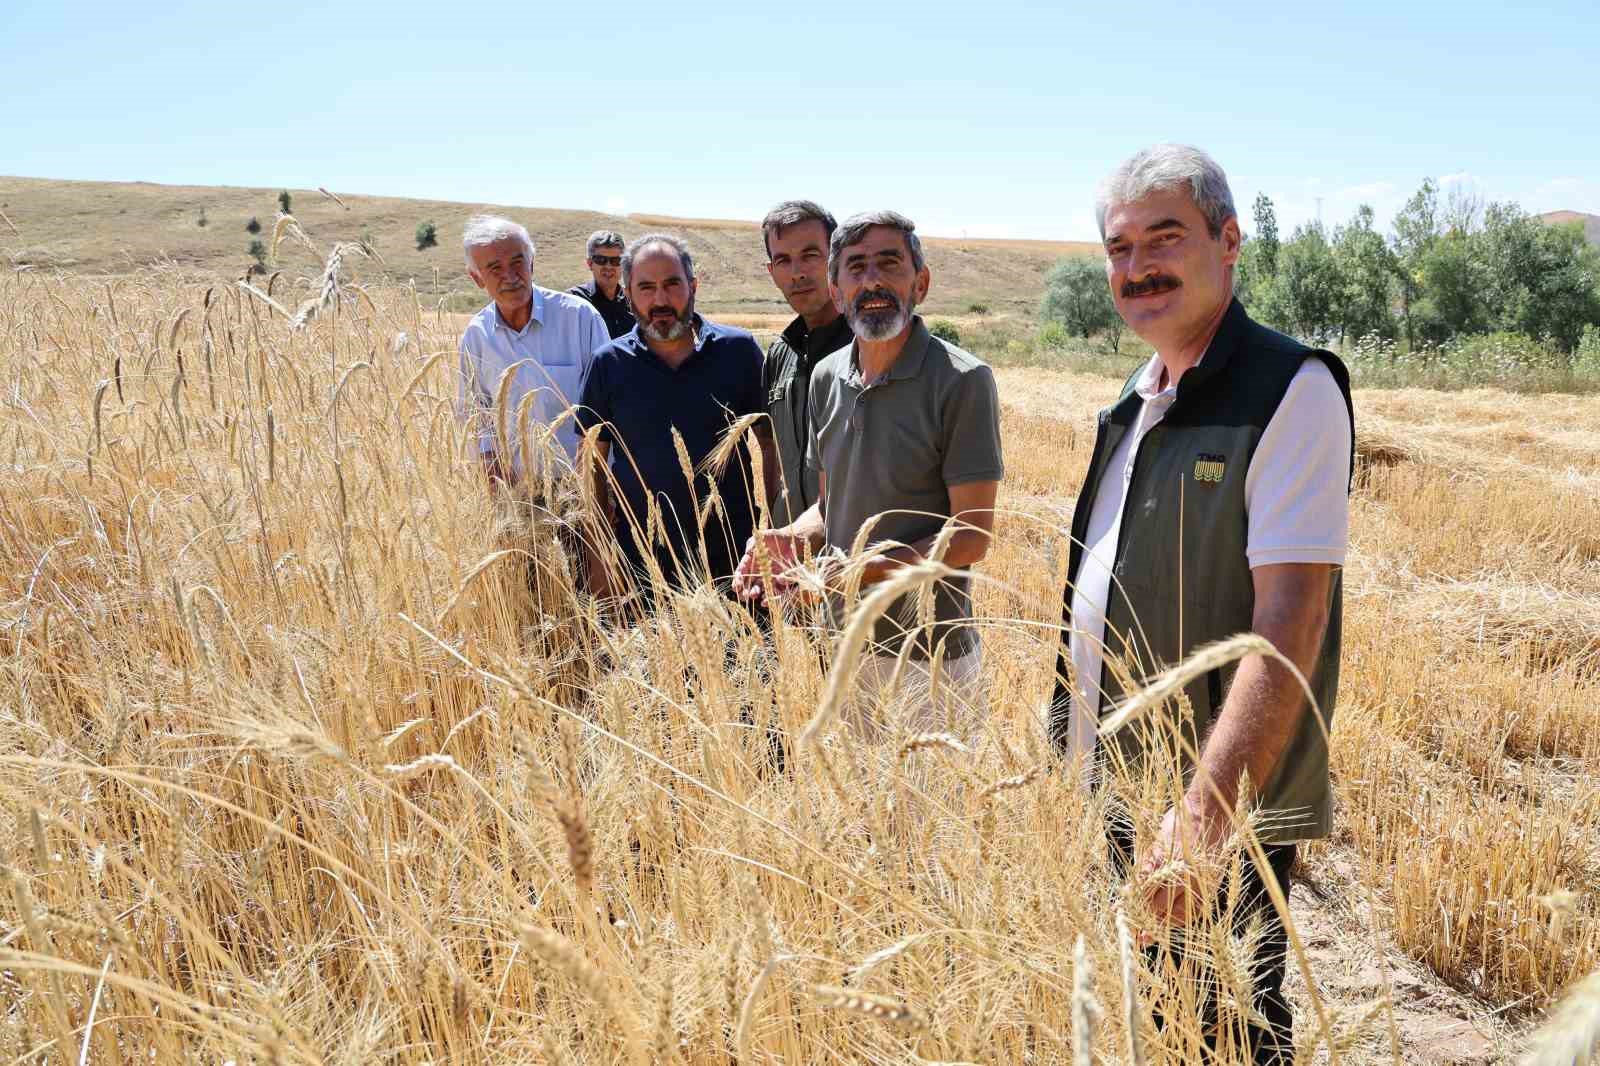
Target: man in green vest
[(1216, 502)]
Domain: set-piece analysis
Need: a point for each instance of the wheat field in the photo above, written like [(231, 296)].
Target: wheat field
[(308, 753)]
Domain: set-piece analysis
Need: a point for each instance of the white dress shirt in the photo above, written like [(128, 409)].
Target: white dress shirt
[(551, 354)]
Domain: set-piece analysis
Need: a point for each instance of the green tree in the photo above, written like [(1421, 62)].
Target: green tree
[(1306, 295), (1416, 228), (1539, 280), (1266, 233), (258, 252), (427, 235), (1367, 277), (1077, 296), (201, 221), (252, 227), (283, 202)]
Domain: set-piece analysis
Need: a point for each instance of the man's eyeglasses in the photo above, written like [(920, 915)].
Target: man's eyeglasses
[(606, 260)]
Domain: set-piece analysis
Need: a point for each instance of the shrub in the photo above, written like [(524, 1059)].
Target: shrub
[(427, 235), (1586, 360), (977, 307), (283, 201), (945, 330), (252, 226), (1053, 335), (201, 221), (258, 252)]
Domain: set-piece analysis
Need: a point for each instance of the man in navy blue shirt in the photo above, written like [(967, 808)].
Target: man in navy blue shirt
[(675, 370)]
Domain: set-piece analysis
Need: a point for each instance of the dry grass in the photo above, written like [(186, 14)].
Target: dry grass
[(311, 756), (117, 228)]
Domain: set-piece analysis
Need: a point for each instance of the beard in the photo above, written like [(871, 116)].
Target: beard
[(657, 329), (880, 324)]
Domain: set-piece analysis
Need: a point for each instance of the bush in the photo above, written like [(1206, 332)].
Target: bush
[(977, 308), (258, 252), (427, 235), (1053, 335), (945, 330), (283, 202), (1586, 359), (201, 221), (252, 226)]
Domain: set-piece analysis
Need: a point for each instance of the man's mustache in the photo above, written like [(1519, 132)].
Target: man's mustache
[(1154, 284), (876, 294)]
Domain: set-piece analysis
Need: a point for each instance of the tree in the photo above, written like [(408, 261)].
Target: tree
[(1306, 296), (258, 252), (1367, 278), (252, 227), (427, 235), (283, 202), (1266, 233), (1077, 296), (1416, 228), (201, 221), (1539, 280)]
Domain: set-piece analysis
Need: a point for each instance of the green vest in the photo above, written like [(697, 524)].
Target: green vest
[(1182, 579)]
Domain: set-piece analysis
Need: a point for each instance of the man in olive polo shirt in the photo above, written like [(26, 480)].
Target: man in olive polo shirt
[(796, 235), (905, 433), (1216, 502)]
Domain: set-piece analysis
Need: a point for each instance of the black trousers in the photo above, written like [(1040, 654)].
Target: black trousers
[(1271, 1044)]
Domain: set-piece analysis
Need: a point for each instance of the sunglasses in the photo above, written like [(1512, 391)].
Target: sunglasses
[(606, 260)]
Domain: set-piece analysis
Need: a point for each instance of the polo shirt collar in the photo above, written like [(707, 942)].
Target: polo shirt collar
[(908, 364), (536, 315)]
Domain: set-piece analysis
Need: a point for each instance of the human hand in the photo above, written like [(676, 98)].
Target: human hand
[(783, 554), (1168, 875)]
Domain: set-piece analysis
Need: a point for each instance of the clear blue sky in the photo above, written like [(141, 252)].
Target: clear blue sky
[(993, 118)]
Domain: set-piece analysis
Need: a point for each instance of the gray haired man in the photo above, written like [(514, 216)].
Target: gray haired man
[(905, 437), (795, 234), (1216, 502), (603, 256), (544, 339)]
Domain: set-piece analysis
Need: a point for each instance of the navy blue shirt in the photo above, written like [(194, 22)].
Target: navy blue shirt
[(638, 400)]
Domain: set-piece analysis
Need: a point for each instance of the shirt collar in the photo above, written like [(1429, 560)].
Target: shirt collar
[(803, 340), (537, 314), (908, 364)]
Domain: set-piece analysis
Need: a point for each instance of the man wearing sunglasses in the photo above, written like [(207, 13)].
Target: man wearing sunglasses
[(904, 437), (603, 255)]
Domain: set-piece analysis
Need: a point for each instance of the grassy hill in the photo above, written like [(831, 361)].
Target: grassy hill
[(1590, 223), (120, 227)]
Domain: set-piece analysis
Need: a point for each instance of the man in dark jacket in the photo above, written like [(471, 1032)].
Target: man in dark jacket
[(1216, 503), (603, 256), (796, 235)]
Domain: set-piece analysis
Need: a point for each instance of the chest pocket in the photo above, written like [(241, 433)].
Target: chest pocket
[(556, 379)]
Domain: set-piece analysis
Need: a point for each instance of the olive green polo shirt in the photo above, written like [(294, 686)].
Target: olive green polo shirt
[(790, 361), (891, 449)]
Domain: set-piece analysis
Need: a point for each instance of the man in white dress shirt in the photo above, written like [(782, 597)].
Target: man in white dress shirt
[(545, 338)]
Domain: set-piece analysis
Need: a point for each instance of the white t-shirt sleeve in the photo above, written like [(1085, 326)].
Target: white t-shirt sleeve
[(1296, 492)]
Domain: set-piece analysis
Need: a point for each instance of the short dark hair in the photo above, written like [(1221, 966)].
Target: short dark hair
[(792, 213), (677, 245), (854, 231)]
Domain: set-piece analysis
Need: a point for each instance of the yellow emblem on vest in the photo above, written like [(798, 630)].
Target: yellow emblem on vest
[(1209, 469)]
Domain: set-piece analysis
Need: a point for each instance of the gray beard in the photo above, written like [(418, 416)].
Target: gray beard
[(671, 333), (879, 325)]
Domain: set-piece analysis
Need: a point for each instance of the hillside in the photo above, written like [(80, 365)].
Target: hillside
[(120, 227), (1591, 223)]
